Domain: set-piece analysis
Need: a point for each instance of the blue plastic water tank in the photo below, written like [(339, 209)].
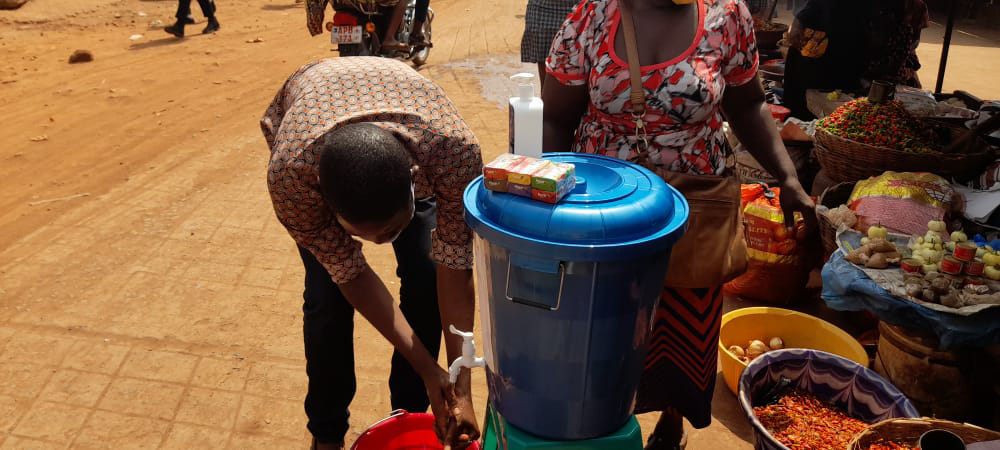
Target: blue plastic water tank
[(567, 293)]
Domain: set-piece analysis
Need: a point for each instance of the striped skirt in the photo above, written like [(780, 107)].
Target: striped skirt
[(683, 355)]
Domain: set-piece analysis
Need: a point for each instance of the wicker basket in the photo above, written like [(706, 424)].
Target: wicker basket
[(832, 197), (848, 160), (908, 431)]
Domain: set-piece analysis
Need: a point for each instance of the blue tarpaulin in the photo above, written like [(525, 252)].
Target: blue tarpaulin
[(847, 288)]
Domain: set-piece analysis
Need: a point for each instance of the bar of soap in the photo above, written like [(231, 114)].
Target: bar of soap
[(554, 177), (519, 189), (522, 173), (554, 197), (497, 169)]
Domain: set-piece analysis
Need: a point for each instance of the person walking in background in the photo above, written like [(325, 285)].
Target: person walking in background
[(695, 64), (542, 20), (184, 17)]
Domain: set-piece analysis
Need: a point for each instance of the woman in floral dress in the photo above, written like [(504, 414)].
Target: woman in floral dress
[(699, 68)]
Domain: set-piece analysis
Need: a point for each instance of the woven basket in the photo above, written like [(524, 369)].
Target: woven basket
[(832, 197), (908, 431), (848, 160)]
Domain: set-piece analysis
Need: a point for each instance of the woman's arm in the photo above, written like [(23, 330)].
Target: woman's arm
[(564, 107), (752, 123)]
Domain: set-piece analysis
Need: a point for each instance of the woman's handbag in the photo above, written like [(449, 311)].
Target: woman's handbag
[(712, 251)]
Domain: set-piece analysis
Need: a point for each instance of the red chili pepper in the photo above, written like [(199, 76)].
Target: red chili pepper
[(801, 421)]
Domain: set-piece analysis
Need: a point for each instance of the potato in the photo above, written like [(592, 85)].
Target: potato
[(941, 285), (929, 295), (951, 300), (881, 246), (893, 257), (877, 261)]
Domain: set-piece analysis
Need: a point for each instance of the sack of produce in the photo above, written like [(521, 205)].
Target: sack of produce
[(777, 271), (902, 202)]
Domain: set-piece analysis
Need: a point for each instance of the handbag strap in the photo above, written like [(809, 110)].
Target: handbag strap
[(637, 97)]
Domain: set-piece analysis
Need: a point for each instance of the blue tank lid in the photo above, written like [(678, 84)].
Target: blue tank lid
[(617, 211)]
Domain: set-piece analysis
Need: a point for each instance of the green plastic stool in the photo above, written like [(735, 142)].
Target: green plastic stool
[(629, 437)]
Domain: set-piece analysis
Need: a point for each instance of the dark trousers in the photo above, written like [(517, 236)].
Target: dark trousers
[(328, 327), (420, 10), (184, 8)]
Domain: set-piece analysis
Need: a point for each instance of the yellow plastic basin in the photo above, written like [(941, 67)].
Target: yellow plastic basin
[(796, 329)]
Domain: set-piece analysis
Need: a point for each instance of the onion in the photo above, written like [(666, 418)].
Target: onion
[(756, 348), (776, 343)]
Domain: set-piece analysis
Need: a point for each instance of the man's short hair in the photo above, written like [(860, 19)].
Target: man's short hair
[(364, 173)]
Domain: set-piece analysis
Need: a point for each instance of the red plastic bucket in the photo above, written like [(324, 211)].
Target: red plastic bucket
[(402, 431)]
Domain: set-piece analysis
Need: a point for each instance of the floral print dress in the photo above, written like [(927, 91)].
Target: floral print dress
[(683, 95), (684, 128)]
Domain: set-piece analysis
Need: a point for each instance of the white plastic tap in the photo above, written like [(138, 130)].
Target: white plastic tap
[(468, 358)]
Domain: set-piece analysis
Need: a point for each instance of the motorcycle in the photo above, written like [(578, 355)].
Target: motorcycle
[(358, 25)]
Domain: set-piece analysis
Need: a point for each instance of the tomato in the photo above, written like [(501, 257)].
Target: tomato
[(781, 233)]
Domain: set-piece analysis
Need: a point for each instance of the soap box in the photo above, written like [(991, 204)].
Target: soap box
[(497, 169), (521, 173), (495, 185), (554, 197), (520, 189), (554, 177)]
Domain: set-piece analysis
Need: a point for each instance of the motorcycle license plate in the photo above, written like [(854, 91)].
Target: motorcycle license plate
[(346, 34)]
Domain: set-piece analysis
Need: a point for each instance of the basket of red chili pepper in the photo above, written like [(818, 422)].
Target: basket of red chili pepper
[(863, 139), (905, 433), (799, 399)]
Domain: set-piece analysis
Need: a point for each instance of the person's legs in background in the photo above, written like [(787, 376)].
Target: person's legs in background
[(419, 18), (389, 41), (328, 331), (184, 17), (208, 8), (419, 304)]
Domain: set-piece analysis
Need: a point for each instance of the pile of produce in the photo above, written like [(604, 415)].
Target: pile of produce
[(801, 421), (756, 348), (950, 273), (886, 125), (883, 444), (875, 252)]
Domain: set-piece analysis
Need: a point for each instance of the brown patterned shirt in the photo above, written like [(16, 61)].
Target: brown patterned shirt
[(326, 94)]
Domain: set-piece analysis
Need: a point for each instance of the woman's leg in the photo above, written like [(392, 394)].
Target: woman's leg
[(669, 432)]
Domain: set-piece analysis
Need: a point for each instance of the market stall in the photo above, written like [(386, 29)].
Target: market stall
[(904, 169)]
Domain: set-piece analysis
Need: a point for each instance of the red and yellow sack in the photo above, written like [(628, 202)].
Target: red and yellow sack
[(777, 272)]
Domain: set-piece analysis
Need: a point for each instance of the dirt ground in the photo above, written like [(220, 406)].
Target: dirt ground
[(148, 297)]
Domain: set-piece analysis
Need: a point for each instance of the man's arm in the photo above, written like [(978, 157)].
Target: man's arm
[(370, 297), (457, 303)]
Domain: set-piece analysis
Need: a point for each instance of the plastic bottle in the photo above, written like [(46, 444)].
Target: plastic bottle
[(525, 118)]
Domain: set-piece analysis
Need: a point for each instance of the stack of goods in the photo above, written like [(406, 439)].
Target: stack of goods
[(801, 421), (535, 178), (886, 125), (777, 271)]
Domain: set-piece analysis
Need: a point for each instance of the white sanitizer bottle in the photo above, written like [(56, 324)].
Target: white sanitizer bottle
[(525, 118)]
